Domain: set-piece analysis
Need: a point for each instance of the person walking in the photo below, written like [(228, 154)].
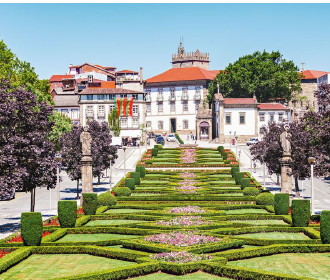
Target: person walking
[(254, 167)]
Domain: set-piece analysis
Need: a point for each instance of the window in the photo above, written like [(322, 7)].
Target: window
[(185, 124), (111, 108), (100, 97), (123, 95), (148, 98), (135, 122), (160, 92), (172, 92), (272, 117), (75, 115), (241, 118), (185, 92), (135, 110), (197, 105), (89, 112), (172, 106), (100, 111), (148, 124), (136, 96), (160, 107), (123, 122), (111, 96), (262, 130), (228, 118), (89, 97), (262, 117), (185, 106), (160, 125), (148, 108), (198, 92), (280, 117), (64, 112)]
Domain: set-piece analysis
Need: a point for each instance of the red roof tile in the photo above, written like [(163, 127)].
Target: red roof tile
[(239, 101), (59, 78), (272, 106), (312, 74), (183, 74), (107, 90), (127, 71), (109, 84)]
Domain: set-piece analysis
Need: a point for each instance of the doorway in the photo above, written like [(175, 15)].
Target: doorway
[(173, 125)]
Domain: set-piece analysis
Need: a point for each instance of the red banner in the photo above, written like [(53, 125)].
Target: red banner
[(124, 106), (118, 106), (131, 106)]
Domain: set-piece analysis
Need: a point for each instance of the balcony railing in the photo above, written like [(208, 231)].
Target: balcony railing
[(184, 97), (159, 98), (89, 114), (197, 97), (171, 98), (148, 98)]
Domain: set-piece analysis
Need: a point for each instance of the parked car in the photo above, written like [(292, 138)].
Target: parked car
[(171, 138), (252, 141), (160, 139)]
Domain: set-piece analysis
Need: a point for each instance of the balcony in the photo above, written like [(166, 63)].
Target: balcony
[(135, 114), (148, 98), (171, 98), (184, 97), (197, 97), (159, 98), (90, 114)]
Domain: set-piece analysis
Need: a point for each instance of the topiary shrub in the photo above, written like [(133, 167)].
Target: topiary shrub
[(31, 228), (225, 156), (325, 226), (136, 176), (265, 198), (122, 191), (251, 191), (220, 148), (89, 203), (130, 183), (245, 182), (159, 147), (141, 170), (234, 170), (67, 213), (106, 199), (282, 203), (300, 212), (238, 177), (154, 152)]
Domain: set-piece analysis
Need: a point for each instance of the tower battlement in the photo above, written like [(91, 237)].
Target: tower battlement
[(190, 59)]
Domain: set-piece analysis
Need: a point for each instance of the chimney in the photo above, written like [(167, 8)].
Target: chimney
[(302, 68), (141, 75)]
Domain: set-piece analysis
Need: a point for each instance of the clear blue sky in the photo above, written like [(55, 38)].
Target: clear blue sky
[(127, 36)]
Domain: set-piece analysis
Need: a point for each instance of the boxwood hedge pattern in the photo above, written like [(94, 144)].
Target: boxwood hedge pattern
[(124, 226)]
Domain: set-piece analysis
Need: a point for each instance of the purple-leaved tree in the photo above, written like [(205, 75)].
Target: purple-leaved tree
[(26, 154)]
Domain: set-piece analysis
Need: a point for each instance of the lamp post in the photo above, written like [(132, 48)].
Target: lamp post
[(230, 140), (311, 160), (236, 137), (58, 159), (124, 148), (110, 170)]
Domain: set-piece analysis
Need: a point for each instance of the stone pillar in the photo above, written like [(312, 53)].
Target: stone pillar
[(87, 174), (286, 170)]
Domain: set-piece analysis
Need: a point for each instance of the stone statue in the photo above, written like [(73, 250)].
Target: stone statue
[(86, 140), (285, 143)]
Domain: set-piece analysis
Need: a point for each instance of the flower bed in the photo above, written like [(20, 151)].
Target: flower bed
[(187, 175), (3, 253), (180, 257), (18, 238), (184, 221), (52, 222), (188, 156), (186, 210)]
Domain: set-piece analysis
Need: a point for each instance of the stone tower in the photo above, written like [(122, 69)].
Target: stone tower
[(190, 59)]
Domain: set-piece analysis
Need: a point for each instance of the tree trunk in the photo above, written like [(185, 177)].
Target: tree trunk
[(278, 179), (33, 199), (78, 188), (296, 186)]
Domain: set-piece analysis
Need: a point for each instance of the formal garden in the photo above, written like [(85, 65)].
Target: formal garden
[(172, 223)]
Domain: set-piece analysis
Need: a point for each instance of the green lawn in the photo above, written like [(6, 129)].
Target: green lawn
[(37, 267), (261, 222), (126, 210), (145, 194), (94, 237), (246, 211), (193, 276), (111, 222), (314, 265), (277, 235)]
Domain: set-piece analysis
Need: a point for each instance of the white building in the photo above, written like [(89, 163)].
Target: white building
[(128, 79), (97, 103)]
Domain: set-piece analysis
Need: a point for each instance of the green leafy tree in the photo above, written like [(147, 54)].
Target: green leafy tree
[(21, 73), (268, 75), (62, 124), (114, 122)]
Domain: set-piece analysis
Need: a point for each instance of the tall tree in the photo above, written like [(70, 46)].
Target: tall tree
[(267, 75), (114, 122), (62, 124), (26, 154), (71, 151), (21, 73)]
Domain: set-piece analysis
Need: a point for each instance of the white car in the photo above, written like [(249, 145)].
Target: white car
[(171, 138), (252, 141)]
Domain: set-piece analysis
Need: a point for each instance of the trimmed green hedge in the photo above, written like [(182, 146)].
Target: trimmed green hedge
[(282, 203), (141, 170), (136, 177), (325, 227), (154, 152), (31, 228), (265, 198), (89, 203), (130, 183), (67, 213), (122, 191), (300, 212), (245, 183), (250, 191), (106, 199), (234, 170), (238, 177)]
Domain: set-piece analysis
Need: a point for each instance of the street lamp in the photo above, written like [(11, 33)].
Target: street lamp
[(110, 170), (58, 159), (124, 148), (230, 139), (236, 137), (311, 160)]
